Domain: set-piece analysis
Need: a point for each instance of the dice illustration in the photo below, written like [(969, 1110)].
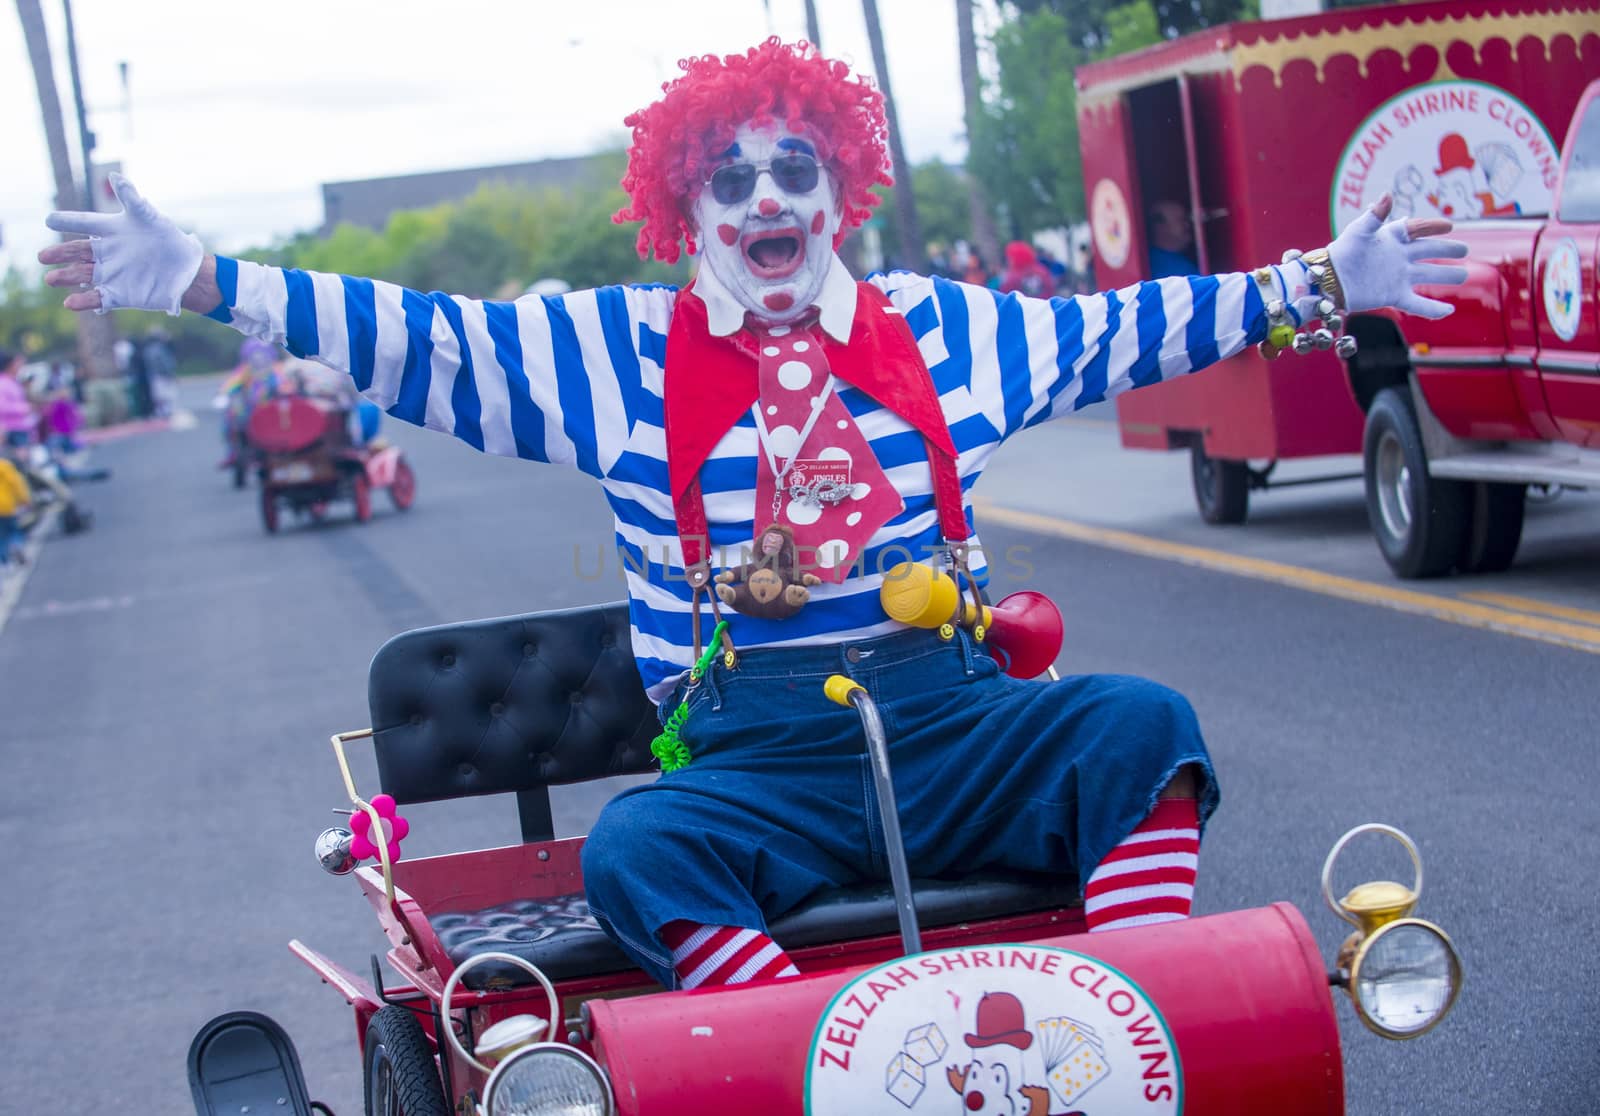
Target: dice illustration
[(904, 1079), (926, 1044)]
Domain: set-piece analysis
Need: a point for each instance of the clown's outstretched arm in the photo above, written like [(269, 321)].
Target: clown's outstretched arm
[(1054, 356), (550, 379)]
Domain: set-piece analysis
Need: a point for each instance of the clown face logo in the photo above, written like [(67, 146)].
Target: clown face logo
[(767, 217), (996, 1031), (1109, 220), (1462, 150), (1563, 289)]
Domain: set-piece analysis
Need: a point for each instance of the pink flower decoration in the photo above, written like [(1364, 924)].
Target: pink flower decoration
[(395, 828)]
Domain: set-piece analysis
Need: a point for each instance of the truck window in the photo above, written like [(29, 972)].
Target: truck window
[(1580, 191)]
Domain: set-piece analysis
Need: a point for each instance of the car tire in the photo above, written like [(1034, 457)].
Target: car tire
[(1221, 487), (1494, 526), (361, 496), (1419, 521), (403, 489), (401, 1077), (269, 510)]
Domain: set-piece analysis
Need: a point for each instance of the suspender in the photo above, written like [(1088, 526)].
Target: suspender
[(898, 344)]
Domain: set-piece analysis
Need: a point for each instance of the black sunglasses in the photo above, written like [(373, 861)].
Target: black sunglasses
[(795, 173)]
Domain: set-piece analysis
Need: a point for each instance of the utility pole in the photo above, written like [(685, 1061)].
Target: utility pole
[(813, 28), (907, 226), (95, 331), (85, 136)]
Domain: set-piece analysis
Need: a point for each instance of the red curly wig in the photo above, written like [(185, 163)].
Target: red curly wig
[(678, 140)]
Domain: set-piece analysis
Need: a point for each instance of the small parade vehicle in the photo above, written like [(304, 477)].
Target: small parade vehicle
[(974, 995), (307, 459)]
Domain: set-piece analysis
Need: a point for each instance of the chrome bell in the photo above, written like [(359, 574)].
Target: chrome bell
[(333, 851), (1346, 346), (1322, 339)]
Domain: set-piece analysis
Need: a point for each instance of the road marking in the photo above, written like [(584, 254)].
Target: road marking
[(1083, 420), (73, 608), (1454, 610), (1528, 604)]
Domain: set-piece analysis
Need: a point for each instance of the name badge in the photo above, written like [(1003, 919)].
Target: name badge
[(818, 481)]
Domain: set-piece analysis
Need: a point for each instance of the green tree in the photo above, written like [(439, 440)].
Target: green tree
[(1024, 147), (1129, 27), (1089, 23), (943, 207)]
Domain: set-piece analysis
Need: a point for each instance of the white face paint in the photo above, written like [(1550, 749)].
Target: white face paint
[(771, 250)]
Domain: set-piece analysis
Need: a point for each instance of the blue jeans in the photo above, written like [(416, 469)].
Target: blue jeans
[(10, 536), (778, 802)]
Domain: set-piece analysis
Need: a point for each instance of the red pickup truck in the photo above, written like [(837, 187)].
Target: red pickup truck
[(1464, 413)]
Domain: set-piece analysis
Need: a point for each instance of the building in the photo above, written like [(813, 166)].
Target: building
[(370, 202)]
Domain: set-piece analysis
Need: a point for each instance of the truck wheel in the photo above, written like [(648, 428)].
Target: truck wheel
[(361, 496), (403, 489), (1221, 488), (269, 509), (401, 1079), (1420, 522), (1494, 526)]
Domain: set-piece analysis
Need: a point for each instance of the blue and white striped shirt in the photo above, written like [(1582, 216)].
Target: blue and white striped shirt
[(576, 379)]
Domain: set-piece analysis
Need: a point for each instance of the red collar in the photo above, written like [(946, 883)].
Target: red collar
[(711, 381)]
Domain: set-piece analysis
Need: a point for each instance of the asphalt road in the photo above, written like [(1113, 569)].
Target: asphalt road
[(170, 680)]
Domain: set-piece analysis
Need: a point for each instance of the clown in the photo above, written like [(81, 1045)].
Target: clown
[(776, 391)]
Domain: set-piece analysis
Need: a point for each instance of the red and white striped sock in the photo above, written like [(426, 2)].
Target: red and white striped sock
[(1149, 877), (723, 954)]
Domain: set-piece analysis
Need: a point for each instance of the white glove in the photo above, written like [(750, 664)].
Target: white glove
[(142, 261), (1379, 264)]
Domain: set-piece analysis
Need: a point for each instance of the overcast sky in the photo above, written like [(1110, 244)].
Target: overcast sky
[(239, 111)]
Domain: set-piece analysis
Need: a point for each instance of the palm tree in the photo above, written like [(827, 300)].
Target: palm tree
[(984, 237), (907, 227), (55, 132), (95, 331)]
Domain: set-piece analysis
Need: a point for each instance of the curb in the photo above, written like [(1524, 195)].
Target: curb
[(11, 587), (97, 435)]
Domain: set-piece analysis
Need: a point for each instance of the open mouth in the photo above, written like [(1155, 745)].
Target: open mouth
[(774, 253)]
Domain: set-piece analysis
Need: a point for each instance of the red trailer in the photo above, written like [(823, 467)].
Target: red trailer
[(1273, 135)]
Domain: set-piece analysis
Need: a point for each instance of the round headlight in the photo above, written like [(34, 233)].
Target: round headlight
[(1405, 978), (548, 1079)]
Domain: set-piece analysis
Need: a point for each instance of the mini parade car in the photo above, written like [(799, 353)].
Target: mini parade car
[(971, 995), (307, 460)]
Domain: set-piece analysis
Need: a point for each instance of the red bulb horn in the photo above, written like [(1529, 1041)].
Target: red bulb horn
[(1026, 633), (1024, 630)]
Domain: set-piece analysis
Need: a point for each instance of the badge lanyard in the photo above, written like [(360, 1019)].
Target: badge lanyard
[(764, 437)]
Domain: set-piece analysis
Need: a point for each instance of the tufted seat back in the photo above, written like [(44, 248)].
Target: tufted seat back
[(510, 705)]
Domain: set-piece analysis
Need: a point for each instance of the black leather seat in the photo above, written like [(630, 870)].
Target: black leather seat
[(516, 704), (563, 939)]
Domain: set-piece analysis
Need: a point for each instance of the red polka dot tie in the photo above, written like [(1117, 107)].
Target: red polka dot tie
[(817, 474)]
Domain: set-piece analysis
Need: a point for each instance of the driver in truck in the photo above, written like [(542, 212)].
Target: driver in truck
[(776, 391)]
